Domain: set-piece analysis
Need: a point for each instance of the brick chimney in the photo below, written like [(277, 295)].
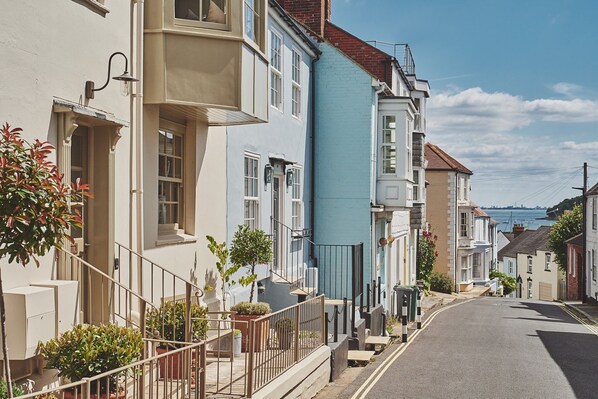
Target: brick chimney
[(518, 229), (311, 13)]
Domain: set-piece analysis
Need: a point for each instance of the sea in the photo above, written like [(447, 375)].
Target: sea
[(531, 219)]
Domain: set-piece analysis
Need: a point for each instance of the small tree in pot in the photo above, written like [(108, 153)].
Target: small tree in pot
[(247, 311), (249, 249)]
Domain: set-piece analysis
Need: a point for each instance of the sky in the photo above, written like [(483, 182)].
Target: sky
[(514, 87)]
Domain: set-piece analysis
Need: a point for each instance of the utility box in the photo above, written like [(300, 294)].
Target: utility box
[(66, 302), (30, 318)]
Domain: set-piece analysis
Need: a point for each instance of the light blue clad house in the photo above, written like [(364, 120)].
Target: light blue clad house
[(369, 165), (269, 166)]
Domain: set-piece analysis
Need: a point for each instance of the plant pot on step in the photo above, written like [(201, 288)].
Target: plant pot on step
[(245, 313), (285, 328)]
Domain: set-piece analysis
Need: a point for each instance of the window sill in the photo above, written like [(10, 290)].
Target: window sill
[(175, 238), (97, 6)]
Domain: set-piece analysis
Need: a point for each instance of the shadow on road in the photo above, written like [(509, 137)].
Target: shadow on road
[(577, 356), (550, 310)]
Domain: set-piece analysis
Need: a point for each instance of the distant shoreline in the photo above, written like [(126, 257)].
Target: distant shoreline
[(513, 209)]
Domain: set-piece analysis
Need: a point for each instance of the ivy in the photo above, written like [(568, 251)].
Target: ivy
[(569, 225)]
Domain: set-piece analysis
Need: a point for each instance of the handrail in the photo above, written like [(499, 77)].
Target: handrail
[(101, 273), (162, 268)]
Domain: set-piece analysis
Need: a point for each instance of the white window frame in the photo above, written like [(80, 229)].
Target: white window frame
[(251, 19), (251, 191), (547, 265), (465, 268), (408, 145), (390, 145), (463, 225), (530, 262), (529, 289), (510, 267), (204, 23), (594, 265), (276, 67), (170, 128), (594, 213), (296, 61), (416, 185), (296, 200), (477, 265)]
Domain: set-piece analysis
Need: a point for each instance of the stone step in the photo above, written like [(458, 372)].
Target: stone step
[(360, 356), (377, 340), (303, 291), (332, 302)]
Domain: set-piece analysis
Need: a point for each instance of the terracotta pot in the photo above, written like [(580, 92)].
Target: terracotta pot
[(114, 395), (174, 363), (261, 333)]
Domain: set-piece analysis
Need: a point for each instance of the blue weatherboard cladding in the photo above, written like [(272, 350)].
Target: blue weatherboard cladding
[(344, 101)]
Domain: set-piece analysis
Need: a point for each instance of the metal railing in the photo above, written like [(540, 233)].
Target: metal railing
[(402, 53), (102, 299), (279, 340), (149, 279), (291, 261), (178, 373)]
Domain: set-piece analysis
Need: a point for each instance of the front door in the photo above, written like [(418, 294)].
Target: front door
[(80, 170), (277, 215)]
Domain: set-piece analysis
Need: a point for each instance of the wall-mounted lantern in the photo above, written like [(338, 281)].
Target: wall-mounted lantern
[(268, 174), (125, 79), (290, 177)]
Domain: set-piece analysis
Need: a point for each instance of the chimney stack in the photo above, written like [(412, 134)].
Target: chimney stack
[(311, 13), (518, 229)]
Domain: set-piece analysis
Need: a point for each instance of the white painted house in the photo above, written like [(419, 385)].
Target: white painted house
[(591, 270)]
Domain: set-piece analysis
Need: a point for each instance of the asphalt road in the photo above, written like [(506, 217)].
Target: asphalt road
[(495, 348)]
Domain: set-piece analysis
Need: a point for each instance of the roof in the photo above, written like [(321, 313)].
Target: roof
[(527, 242), (479, 213), (576, 240), (440, 160), (593, 190), (295, 26)]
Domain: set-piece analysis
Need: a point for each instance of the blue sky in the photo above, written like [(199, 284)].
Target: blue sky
[(514, 86)]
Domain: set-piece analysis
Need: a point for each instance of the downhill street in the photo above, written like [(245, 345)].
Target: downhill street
[(492, 347)]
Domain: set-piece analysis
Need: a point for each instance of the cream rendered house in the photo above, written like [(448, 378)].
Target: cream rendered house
[(449, 212), (591, 265), (155, 158)]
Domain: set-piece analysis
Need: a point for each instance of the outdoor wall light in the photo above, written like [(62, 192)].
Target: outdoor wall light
[(290, 176), (125, 79), (268, 174)]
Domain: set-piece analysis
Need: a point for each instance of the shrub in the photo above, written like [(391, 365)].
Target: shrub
[(508, 283), (284, 324), (89, 350), (16, 390), (441, 282), (426, 257), (248, 308), (168, 321)]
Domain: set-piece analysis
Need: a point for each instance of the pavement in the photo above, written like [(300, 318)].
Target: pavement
[(589, 311)]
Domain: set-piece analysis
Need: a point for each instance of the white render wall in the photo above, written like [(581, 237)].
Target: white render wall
[(49, 50)]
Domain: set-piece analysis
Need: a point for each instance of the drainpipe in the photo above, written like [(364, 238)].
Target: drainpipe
[(139, 127), (381, 86), (312, 172)]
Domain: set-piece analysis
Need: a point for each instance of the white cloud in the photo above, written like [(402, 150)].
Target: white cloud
[(498, 135), (569, 90)]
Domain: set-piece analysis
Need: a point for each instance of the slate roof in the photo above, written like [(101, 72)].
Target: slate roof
[(576, 240), (440, 160), (479, 213), (527, 242), (593, 190)]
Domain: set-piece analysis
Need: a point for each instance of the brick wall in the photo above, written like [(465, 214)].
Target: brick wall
[(369, 57), (311, 13), (315, 14)]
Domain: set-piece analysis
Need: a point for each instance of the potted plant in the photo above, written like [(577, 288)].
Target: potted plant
[(89, 350), (249, 249), (168, 323), (244, 313), (285, 327)]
